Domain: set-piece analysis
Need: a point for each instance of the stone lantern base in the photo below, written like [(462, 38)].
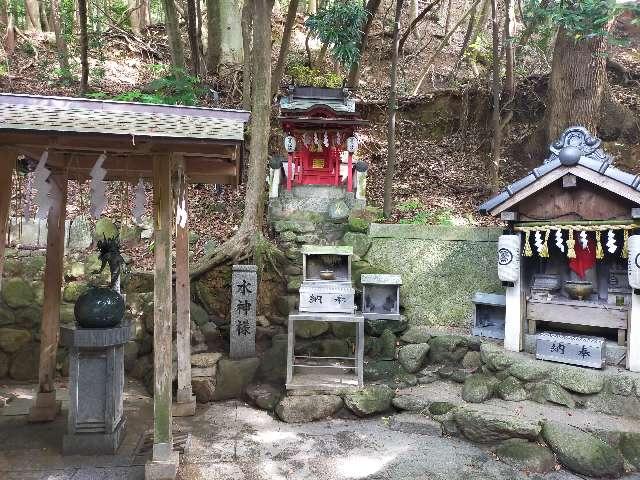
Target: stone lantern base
[(96, 382)]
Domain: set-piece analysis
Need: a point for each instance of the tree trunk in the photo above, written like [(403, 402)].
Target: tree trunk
[(192, 28), (312, 7), (61, 43), (322, 56), (247, 26), (44, 17), (214, 36), (509, 54), (284, 46), (241, 246), (496, 143), (413, 14), (356, 69), (479, 27), (576, 85), (32, 14), (137, 16), (391, 112), (84, 46), (173, 34)]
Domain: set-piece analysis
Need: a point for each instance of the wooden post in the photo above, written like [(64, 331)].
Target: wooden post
[(46, 407), (185, 400), (164, 463), (7, 162), (289, 171), (350, 172)]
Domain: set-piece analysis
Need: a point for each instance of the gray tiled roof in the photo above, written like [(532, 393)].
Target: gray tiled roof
[(78, 118), (591, 157), (303, 104)]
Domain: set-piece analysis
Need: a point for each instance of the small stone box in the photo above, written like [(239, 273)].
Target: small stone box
[(381, 296), (96, 381), (576, 350), (489, 310), (326, 279)]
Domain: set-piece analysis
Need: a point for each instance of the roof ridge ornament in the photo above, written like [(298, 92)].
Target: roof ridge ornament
[(574, 143)]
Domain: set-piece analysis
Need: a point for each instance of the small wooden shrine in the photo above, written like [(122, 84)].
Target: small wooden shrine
[(567, 258), (319, 126), (100, 141)]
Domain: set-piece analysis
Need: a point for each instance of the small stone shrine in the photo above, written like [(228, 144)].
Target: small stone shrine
[(569, 258), (96, 381), (326, 295), (244, 284), (381, 296)]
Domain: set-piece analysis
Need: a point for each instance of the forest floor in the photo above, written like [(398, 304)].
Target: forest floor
[(442, 173)]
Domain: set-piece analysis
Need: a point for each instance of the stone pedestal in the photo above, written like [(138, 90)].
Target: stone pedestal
[(244, 284), (96, 382)]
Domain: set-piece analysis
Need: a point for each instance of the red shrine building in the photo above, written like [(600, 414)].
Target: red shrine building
[(320, 140)]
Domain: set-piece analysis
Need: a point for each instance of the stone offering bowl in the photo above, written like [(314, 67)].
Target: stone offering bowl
[(578, 290), (327, 275)]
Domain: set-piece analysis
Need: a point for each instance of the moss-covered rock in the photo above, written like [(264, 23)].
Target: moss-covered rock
[(293, 283), (264, 396), (550, 392), (377, 326), (198, 314), (7, 317), (449, 349), (360, 242), (582, 452), (29, 317), (310, 329), (13, 339), (105, 228), (440, 408), (480, 426), (273, 364), (579, 380), (369, 400), (334, 347), (630, 448), (24, 364), (17, 292), (621, 385), (388, 345), (74, 270), (233, 376), (412, 356), (530, 370), (525, 455), (390, 373), (511, 390), (307, 408), (416, 334), (73, 290), (478, 388), (471, 360), (495, 357), (4, 364), (345, 330)]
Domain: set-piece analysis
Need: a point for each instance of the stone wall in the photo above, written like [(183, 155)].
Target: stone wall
[(441, 266)]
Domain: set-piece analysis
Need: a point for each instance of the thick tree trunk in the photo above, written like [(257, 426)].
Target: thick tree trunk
[(44, 17), (247, 31), (413, 14), (194, 41), (356, 69), (84, 46), (284, 46), (32, 13), (214, 35), (173, 34), (576, 86), (312, 7), (136, 16), (391, 120), (496, 143), (61, 43)]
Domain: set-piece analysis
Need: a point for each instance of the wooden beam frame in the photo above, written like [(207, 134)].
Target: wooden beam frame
[(46, 407), (7, 163)]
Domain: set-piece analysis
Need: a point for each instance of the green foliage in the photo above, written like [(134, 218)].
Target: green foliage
[(339, 25), (581, 18), (423, 216), (310, 77)]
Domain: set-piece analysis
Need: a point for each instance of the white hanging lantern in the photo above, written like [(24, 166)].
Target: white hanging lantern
[(290, 143), (352, 144), (509, 258), (634, 261)]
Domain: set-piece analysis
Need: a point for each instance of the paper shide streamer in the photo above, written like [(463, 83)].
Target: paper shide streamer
[(43, 188), (98, 187)]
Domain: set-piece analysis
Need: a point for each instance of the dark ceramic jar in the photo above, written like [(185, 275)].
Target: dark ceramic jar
[(99, 307)]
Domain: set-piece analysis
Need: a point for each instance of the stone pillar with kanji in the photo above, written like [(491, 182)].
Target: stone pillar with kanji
[(244, 284)]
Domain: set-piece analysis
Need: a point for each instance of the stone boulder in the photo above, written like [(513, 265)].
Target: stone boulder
[(273, 364), (390, 373), (131, 350), (4, 364), (511, 390), (233, 376), (24, 365), (307, 408), (263, 395), (630, 448), (550, 392), (530, 370), (472, 360), (13, 339), (17, 293), (344, 330), (205, 360), (73, 290), (204, 389), (375, 327), (582, 452), (105, 228), (441, 408), (495, 357), (525, 455), (478, 388), (310, 329), (412, 357), (414, 423), (410, 403), (448, 349), (480, 426), (579, 380), (387, 345), (369, 400), (360, 242), (198, 314), (416, 334)]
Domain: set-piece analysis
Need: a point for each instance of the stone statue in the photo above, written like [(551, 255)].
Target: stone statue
[(109, 249)]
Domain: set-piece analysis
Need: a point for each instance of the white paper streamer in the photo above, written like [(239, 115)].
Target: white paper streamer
[(139, 201), (538, 241), (41, 174), (559, 240), (325, 139), (611, 242), (98, 187), (338, 139), (306, 139), (316, 140), (584, 241)]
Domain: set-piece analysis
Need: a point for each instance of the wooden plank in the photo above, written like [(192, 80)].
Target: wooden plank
[(162, 224), (577, 315), (622, 337), (7, 162), (52, 283), (183, 302)]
